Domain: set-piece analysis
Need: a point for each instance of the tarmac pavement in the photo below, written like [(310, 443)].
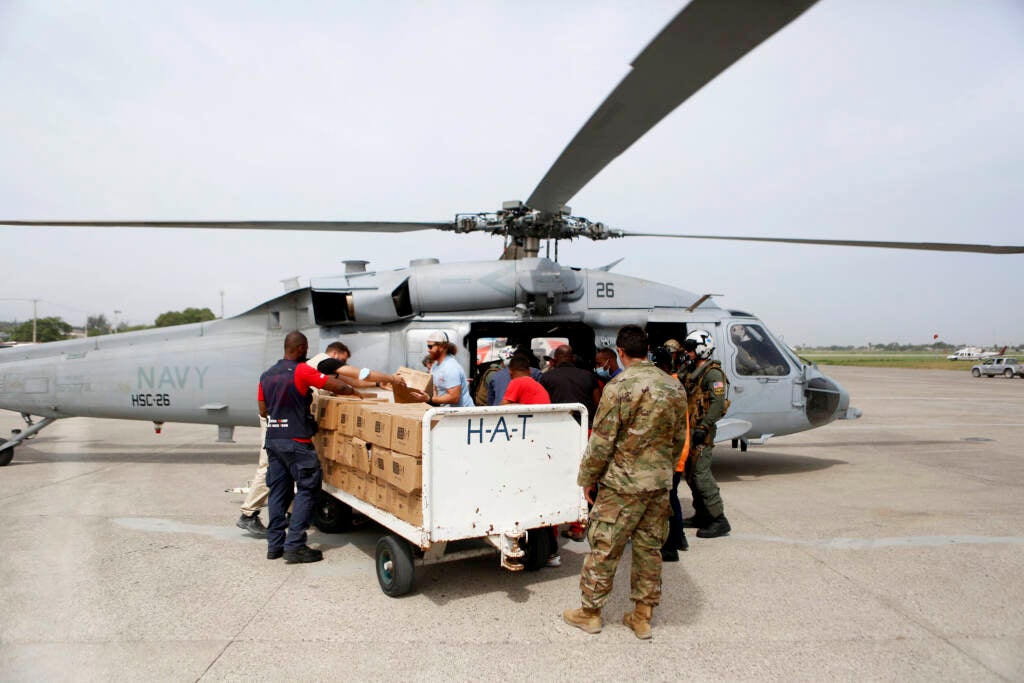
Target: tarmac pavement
[(886, 548)]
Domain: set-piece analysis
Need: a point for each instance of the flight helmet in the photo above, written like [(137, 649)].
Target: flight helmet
[(701, 343)]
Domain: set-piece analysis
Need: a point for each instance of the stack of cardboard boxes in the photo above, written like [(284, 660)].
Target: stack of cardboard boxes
[(372, 449)]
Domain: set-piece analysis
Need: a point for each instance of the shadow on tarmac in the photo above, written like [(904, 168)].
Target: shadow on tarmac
[(449, 582), (731, 467), (224, 454)]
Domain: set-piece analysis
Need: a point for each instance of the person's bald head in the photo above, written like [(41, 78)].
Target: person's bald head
[(295, 345), (562, 355)]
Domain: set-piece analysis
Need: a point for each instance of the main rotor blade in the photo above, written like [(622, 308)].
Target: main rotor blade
[(923, 246), (702, 41), (338, 226)]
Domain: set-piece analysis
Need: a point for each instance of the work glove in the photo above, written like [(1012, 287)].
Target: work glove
[(698, 436)]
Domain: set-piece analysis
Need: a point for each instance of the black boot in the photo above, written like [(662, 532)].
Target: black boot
[(682, 544), (719, 526)]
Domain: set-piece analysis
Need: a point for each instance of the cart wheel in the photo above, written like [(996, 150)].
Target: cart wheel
[(538, 548), (395, 572), (330, 515), (6, 456)]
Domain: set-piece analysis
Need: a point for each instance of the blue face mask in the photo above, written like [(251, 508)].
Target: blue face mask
[(603, 373)]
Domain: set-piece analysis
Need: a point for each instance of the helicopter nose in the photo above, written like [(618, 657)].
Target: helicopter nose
[(827, 401)]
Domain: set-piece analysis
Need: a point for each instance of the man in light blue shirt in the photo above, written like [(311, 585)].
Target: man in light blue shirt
[(451, 388)]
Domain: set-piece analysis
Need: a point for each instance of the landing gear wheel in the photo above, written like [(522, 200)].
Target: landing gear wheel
[(6, 456), (330, 515), (538, 549), (395, 572), (1008, 373), (743, 445), (976, 372)]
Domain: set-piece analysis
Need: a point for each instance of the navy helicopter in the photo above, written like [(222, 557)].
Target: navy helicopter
[(206, 372)]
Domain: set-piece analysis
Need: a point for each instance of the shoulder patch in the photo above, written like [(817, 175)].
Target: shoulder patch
[(718, 388)]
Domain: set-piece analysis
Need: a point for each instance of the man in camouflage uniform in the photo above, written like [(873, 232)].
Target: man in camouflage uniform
[(707, 392), (639, 430)]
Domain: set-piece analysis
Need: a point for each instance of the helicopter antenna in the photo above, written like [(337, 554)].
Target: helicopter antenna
[(699, 301), (611, 265)]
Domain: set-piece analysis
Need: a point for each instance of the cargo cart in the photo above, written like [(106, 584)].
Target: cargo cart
[(499, 475)]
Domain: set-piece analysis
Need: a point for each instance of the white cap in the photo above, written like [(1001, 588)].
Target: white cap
[(437, 336)]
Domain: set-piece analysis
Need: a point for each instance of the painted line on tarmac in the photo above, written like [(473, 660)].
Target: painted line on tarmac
[(892, 542), (170, 526)]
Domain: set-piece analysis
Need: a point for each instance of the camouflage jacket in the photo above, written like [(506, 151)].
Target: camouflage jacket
[(707, 390), (639, 430)]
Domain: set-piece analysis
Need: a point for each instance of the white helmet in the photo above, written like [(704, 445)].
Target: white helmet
[(701, 343)]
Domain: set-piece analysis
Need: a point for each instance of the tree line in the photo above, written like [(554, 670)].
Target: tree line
[(55, 328)]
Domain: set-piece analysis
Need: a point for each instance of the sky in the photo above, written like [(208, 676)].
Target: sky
[(863, 119)]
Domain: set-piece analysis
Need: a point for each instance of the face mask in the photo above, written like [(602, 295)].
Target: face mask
[(603, 373)]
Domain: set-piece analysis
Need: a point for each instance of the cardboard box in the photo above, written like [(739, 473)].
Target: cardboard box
[(357, 484), (380, 494), (408, 507), (407, 428), (344, 475), (360, 455), (414, 379), (380, 463), (345, 449), (378, 426), (406, 473)]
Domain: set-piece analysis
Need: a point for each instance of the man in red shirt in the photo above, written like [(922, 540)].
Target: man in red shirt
[(285, 394), (523, 388)]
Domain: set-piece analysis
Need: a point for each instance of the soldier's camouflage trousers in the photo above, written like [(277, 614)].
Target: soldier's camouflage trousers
[(703, 486), (614, 519)]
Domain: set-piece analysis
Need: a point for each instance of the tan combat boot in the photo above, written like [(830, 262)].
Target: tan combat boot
[(584, 618), (639, 620)]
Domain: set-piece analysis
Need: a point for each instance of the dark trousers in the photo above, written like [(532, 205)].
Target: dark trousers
[(675, 521), (293, 473)]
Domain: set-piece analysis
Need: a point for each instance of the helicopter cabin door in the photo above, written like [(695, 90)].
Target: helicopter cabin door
[(763, 376)]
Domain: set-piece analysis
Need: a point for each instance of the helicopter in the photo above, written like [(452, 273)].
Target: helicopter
[(205, 373)]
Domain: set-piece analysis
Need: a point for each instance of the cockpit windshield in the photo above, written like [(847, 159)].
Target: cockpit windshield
[(756, 353)]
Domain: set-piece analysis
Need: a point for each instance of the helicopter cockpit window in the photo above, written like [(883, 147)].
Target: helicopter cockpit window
[(756, 353)]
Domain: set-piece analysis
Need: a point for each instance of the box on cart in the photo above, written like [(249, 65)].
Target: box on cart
[(407, 506), (406, 473), (407, 428), (360, 455)]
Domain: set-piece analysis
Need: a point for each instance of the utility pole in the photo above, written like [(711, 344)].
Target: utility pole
[(222, 304)]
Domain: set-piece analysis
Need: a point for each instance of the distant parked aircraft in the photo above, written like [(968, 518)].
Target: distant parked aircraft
[(974, 353)]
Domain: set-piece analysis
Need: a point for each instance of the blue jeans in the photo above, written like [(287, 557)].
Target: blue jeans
[(293, 473)]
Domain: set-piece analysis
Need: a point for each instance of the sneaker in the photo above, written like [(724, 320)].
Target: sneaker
[(274, 553), (252, 524), (554, 561), (302, 555)]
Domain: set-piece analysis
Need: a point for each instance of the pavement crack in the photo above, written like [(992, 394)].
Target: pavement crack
[(255, 612)]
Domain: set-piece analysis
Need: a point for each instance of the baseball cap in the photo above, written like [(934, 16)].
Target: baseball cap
[(437, 337)]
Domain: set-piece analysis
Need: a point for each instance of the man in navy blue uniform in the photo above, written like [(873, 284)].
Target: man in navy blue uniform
[(285, 394)]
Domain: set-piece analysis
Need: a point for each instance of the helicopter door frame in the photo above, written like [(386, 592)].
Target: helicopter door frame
[(581, 337)]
